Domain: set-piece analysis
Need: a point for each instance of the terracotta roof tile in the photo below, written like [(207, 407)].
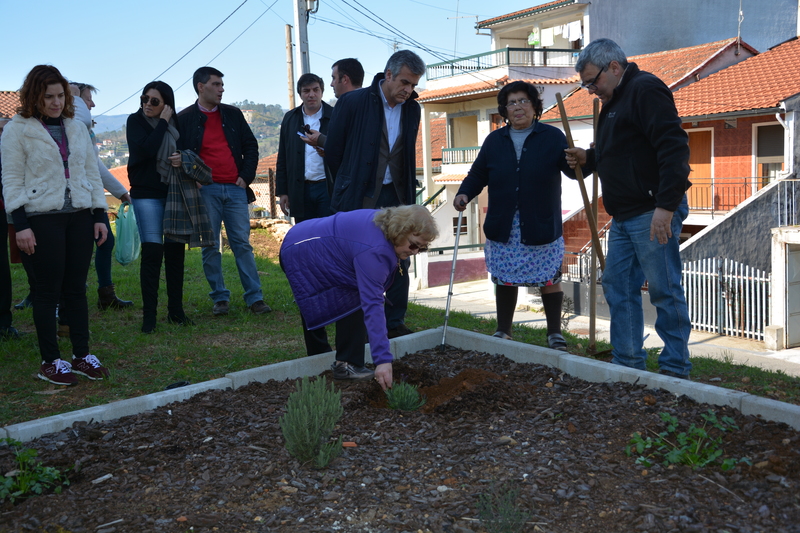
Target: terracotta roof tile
[(449, 179), (9, 102), (525, 12), (759, 82), (486, 89), (674, 67), (266, 163), (121, 173)]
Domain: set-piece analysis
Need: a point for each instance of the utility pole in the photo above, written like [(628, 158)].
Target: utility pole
[(289, 66), (302, 9)]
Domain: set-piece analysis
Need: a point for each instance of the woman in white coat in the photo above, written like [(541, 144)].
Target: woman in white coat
[(52, 188)]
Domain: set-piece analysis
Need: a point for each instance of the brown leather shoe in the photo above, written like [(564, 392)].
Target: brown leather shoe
[(107, 299), (259, 308)]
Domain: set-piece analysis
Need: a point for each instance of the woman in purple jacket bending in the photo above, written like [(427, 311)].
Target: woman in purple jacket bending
[(339, 268)]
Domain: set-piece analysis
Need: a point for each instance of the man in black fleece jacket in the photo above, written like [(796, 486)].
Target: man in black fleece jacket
[(642, 158)]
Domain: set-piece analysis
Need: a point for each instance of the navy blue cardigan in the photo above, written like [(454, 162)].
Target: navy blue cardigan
[(533, 186)]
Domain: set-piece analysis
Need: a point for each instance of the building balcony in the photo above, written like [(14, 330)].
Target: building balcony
[(504, 57), (458, 156)]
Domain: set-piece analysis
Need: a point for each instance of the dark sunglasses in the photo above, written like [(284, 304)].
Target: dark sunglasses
[(414, 246), (155, 102)]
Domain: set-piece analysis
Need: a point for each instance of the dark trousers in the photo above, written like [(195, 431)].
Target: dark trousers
[(316, 201), (350, 335), (102, 257), (5, 274), (61, 263), (397, 294)]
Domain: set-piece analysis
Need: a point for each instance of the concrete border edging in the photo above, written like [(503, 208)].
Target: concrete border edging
[(574, 365)]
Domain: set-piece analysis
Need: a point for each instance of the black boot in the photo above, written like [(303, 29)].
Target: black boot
[(107, 299), (174, 255), (149, 274)]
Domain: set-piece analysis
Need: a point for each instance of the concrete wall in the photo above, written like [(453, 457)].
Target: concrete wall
[(743, 235), (643, 27)]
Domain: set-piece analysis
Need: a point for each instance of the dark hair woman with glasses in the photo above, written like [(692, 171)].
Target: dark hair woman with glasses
[(521, 164), (52, 188), (152, 138)]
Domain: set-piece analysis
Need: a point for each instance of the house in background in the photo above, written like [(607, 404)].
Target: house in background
[(9, 102)]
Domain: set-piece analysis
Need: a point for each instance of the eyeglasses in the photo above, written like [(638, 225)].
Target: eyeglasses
[(591, 85), (155, 102), (523, 102), (414, 246)]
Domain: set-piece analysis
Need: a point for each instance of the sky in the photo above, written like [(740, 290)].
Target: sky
[(120, 46)]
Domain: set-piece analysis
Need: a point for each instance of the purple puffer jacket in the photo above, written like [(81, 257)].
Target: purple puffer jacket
[(337, 264)]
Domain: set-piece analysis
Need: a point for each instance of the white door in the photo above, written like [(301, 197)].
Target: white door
[(793, 295)]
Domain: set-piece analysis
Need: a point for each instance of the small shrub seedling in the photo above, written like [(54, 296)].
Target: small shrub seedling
[(499, 511), (696, 447), (312, 412), (404, 397), (30, 477)]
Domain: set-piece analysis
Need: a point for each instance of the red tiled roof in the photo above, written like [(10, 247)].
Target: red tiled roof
[(9, 102), (759, 82), (525, 12), (266, 163), (438, 140), (121, 173), (449, 178), (485, 89), (672, 66)]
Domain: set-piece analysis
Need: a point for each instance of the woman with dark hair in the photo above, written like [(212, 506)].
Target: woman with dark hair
[(152, 138), (521, 164), (52, 188)]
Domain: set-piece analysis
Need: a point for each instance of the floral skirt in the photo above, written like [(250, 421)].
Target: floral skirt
[(522, 265)]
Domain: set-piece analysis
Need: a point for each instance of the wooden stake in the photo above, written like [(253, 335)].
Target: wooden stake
[(592, 348), (579, 174)]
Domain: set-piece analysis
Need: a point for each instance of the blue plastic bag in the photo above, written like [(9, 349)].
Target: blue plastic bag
[(126, 249)]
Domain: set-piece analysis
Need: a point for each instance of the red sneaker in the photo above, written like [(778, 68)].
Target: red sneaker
[(58, 372), (89, 366)]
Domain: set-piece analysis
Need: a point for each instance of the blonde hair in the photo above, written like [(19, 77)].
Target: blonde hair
[(398, 223)]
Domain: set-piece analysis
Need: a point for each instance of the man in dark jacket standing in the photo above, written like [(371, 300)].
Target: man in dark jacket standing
[(642, 158), (371, 152), (301, 180), (219, 134)]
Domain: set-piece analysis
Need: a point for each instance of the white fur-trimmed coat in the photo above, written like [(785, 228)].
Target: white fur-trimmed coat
[(33, 173)]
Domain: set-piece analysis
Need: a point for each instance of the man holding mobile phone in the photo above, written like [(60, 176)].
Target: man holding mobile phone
[(301, 176)]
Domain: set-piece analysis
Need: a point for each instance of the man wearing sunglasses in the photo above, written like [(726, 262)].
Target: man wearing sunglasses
[(641, 156), (220, 135)]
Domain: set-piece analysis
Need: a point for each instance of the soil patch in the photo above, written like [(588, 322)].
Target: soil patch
[(216, 462)]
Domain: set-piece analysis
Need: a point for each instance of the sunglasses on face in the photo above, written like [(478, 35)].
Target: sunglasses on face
[(155, 102), (414, 246)]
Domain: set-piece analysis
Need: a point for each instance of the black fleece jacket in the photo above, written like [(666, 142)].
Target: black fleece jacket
[(642, 153)]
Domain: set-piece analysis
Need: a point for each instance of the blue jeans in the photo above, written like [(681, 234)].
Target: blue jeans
[(226, 202), (150, 218), (632, 259)]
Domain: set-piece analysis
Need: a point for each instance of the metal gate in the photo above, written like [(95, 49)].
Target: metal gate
[(727, 297)]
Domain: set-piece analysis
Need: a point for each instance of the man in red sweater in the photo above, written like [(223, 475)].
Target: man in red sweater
[(223, 139)]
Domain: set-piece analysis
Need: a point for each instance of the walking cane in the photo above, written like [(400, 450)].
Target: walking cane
[(579, 174), (452, 276)]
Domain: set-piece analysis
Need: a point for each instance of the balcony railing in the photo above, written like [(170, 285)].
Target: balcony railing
[(721, 194), (505, 57), (453, 156)]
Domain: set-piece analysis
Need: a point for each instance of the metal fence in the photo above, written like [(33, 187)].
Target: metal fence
[(504, 57), (727, 297)]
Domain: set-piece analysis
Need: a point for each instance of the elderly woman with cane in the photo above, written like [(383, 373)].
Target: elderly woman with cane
[(339, 268), (521, 164)]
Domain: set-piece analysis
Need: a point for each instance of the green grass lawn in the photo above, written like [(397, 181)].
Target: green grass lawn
[(142, 364)]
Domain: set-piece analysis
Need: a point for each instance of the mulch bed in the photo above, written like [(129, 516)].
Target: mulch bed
[(216, 462)]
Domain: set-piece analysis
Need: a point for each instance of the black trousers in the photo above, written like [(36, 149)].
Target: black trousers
[(350, 335), (61, 260), (5, 274)]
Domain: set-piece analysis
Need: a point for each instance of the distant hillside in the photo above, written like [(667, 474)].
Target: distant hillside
[(109, 122)]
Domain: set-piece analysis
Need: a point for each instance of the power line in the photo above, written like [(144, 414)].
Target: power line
[(179, 59)]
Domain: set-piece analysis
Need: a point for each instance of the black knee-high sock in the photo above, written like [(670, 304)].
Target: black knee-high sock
[(552, 311), (506, 301)]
